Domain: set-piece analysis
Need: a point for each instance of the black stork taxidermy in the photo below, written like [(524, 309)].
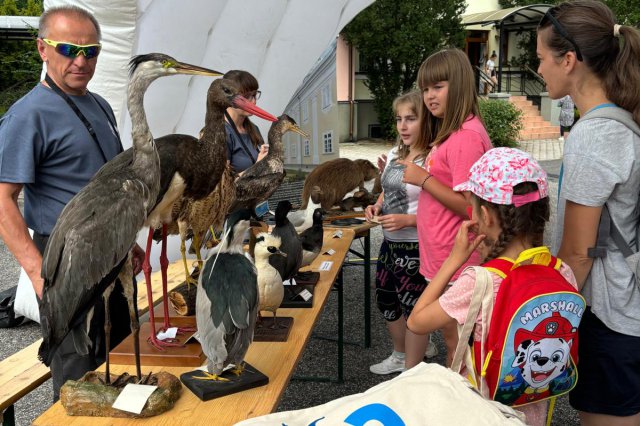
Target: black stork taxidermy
[(88, 248), (190, 168), (261, 180)]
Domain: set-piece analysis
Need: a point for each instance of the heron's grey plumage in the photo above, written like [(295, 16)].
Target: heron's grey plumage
[(95, 231)]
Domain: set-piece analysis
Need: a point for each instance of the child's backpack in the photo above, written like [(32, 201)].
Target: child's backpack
[(531, 348)]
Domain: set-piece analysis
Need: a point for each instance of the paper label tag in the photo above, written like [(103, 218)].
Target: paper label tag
[(358, 209), (170, 333), (326, 265), (329, 252), (337, 234), (305, 294), (133, 398)]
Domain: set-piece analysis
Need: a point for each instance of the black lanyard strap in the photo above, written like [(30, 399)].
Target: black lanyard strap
[(82, 118), (243, 145)]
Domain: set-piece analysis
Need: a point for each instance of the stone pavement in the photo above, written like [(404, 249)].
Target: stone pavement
[(541, 150)]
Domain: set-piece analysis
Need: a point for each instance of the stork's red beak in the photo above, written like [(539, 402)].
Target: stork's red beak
[(245, 105)]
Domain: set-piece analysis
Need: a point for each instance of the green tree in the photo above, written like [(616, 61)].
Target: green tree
[(20, 63), (394, 38)]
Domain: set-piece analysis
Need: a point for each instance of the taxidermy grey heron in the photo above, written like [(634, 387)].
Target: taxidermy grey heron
[(261, 180), (227, 301), (91, 240), (190, 169)]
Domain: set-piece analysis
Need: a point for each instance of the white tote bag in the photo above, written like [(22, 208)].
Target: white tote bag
[(427, 394), (26, 303)]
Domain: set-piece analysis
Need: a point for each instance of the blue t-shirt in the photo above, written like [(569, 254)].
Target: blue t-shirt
[(238, 157), (45, 147)]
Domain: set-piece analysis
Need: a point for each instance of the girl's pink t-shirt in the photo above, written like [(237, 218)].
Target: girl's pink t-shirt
[(449, 163), (455, 303)]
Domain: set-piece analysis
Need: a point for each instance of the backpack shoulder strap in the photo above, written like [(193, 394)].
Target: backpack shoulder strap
[(500, 266), (614, 113)]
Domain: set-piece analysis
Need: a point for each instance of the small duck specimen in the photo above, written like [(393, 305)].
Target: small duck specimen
[(269, 280), (291, 245), (303, 219), (312, 239), (261, 180), (227, 301)]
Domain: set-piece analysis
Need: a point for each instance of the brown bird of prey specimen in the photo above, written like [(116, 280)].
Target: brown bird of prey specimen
[(260, 181)]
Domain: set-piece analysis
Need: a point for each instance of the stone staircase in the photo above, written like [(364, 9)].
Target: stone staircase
[(534, 126)]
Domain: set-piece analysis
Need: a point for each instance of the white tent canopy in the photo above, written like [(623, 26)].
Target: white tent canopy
[(278, 41)]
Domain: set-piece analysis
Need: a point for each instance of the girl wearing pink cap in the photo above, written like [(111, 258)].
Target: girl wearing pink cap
[(509, 209), (456, 137)]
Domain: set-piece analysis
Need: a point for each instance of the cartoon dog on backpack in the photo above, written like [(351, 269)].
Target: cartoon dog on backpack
[(542, 355)]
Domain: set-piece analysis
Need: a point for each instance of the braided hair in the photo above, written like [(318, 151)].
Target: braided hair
[(526, 221)]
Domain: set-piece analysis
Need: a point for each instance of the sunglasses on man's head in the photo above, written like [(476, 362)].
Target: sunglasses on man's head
[(71, 50), (560, 29)]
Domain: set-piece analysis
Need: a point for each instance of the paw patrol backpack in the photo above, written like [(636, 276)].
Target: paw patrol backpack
[(531, 347)]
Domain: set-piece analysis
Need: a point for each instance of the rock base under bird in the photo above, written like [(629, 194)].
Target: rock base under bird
[(209, 389), (264, 333), (89, 396), (188, 355)]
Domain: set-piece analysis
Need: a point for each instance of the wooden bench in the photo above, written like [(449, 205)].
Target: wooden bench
[(22, 372)]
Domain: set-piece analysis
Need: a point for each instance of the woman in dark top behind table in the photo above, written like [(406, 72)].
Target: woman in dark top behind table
[(245, 145)]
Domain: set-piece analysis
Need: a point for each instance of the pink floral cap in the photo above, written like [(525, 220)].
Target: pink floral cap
[(494, 175)]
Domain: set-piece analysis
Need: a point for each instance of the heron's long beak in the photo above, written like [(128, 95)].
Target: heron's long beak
[(245, 105), (298, 130), (184, 68)]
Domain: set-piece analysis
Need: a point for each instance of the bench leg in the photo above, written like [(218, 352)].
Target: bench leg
[(9, 416)]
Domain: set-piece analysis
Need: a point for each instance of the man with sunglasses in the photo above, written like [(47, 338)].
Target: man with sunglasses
[(52, 141)]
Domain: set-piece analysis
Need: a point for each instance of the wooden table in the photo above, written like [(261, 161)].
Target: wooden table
[(276, 360)]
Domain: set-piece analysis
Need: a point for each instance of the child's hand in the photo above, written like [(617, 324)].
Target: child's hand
[(394, 222), (465, 244), (382, 162), (413, 173), (371, 211)]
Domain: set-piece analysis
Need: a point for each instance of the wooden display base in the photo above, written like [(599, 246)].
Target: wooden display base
[(292, 299), (265, 333), (209, 389), (174, 319), (189, 355), (307, 278)]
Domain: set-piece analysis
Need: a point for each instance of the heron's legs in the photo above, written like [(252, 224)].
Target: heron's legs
[(275, 325), (146, 267), (126, 278), (238, 369), (107, 331)]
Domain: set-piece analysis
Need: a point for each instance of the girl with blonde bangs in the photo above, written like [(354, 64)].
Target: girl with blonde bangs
[(456, 138)]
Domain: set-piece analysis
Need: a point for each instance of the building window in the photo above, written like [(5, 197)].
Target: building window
[(307, 148), (305, 111), (328, 142), (326, 97)]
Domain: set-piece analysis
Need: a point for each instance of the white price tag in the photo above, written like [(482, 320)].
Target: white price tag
[(337, 234), (305, 294), (133, 397), (358, 209), (326, 265), (170, 333), (329, 252)]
